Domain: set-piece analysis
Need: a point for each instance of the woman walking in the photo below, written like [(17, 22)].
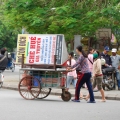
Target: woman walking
[(85, 76), (97, 75), (90, 59)]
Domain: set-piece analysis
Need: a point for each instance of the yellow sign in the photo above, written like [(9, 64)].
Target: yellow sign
[(21, 47)]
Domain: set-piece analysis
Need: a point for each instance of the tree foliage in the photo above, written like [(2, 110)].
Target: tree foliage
[(8, 35), (67, 17)]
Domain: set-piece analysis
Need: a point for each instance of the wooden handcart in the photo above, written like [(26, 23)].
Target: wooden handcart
[(37, 82)]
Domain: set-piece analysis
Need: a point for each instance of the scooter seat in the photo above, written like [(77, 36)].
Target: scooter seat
[(107, 70)]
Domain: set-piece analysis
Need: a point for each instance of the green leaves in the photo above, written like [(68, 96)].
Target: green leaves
[(62, 10), (68, 17), (8, 37)]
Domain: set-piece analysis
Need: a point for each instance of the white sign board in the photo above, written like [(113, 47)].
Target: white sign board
[(40, 49)]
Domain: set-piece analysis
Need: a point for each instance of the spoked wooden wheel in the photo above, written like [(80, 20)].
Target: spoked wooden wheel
[(29, 87), (44, 93)]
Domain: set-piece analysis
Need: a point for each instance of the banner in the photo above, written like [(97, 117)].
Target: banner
[(40, 49), (113, 40), (59, 49)]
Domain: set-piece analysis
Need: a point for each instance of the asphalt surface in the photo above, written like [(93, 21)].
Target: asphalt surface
[(11, 81), (14, 107), (10, 76)]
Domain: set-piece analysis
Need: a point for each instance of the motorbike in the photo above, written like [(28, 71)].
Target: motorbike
[(1, 78), (108, 78)]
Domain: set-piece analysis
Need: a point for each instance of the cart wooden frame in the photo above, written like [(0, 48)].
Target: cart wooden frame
[(31, 87)]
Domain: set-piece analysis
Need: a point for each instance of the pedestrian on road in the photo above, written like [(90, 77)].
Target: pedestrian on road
[(72, 76), (97, 75), (96, 51), (90, 58), (90, 63), (82, 64), (116, 63), (107, 58)]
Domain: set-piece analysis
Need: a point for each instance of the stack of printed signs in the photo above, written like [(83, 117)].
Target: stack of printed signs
[(40, 49)]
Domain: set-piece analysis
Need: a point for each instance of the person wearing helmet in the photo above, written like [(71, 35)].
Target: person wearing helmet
[(116, 63), (104, 55), (97, 76)]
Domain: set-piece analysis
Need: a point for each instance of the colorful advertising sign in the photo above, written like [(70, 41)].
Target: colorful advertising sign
[(40, 49)]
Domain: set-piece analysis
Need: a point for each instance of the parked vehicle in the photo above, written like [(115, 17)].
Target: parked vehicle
[(1, 78), (11, 64), (108, 78)]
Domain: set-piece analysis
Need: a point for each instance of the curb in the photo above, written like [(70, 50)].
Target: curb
[(59, 94), (10, 88)]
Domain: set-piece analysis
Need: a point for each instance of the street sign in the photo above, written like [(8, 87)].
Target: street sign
[(103, 33)]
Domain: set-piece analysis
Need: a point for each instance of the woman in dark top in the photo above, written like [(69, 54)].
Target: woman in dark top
[(82, 64)]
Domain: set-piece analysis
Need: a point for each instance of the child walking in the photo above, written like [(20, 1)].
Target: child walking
[(72, 76)]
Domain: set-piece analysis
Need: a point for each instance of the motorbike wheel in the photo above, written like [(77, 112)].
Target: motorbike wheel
[(110, 85), (103, 86), (1, 84), (13, 68)]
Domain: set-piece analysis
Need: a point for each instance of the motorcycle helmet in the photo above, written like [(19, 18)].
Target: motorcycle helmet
[(95, 55), (102, 61)]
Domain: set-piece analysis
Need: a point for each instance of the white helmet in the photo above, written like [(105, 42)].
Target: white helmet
[(103, 61)]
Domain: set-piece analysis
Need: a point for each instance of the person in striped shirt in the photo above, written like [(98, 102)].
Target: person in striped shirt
[(85, 75)]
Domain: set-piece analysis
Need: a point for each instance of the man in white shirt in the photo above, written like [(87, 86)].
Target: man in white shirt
[(115, 58)]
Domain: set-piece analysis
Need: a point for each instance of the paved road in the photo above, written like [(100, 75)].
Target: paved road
[(11, 76), (12, 80), (14, 107)]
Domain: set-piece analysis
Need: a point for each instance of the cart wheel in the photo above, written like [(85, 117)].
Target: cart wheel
[(66, 96), (29, 87), (44, 93)]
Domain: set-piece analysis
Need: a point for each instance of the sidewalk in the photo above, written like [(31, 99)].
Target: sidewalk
[(110, 95)]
